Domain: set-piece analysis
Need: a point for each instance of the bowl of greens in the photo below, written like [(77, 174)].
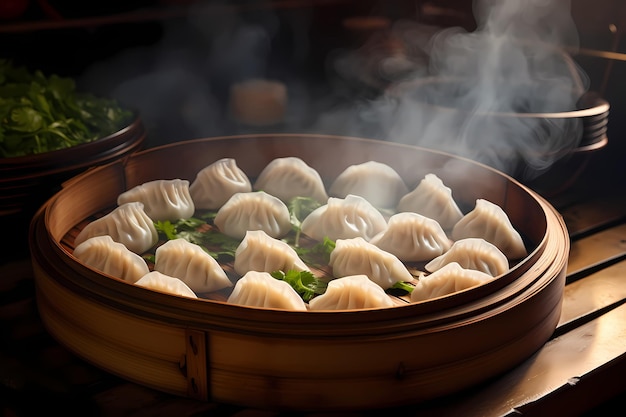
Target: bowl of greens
[(49, 132)]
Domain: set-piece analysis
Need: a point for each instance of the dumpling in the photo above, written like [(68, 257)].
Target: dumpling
[(260, 252), (378, 183), (473, 253), (412, 237), (350, 293), (127, 224), (111, 258), (217, 182), (158, 281), (358, 257), (256, 210), (291, 177), (188, 262), (162, 199), (345, 218), (260, 289), (447, 280), (488, 221), (432, 198)]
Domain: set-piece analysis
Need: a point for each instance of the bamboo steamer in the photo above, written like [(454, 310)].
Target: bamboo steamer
[(303, 361)]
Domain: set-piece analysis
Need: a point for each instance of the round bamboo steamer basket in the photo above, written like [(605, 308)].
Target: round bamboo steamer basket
[(304, 361)]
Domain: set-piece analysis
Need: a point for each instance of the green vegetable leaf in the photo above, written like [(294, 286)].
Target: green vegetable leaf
[(299, 209), (304, 282)]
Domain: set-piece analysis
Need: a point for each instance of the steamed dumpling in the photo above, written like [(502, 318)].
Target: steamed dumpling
[(255, 210), (488, 221), (260, 289), (447, 280), (127, 224), (291, 177), (188, 262), (345, 218), (111, 258), (217, 182), (162, 199), (358, 257), (158, 281), (473, 253), (375, 181), (260, 252), (412, 237), (350, 293), (432, 198)]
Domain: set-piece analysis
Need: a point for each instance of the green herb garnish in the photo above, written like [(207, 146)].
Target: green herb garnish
[(299, 209), (41, 114), (304, 282)]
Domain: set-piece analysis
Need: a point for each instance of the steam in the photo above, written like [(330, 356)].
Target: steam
[(481, 94), (484, 94)]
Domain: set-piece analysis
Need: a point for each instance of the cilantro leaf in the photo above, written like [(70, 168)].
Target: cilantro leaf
[(304, 282)]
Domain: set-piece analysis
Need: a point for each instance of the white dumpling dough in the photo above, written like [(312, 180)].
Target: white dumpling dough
[(158, 281), (432, 198), (375, 181), (447, 280), (490, 222), (112, 258), (260, 289), (345, 218), (256, 210), (127, 224), (162, 199), (473, 253), (291, 177), (412, 237), (260, 252), (188, 262), (350, 293), (217, 182), (356, 256)]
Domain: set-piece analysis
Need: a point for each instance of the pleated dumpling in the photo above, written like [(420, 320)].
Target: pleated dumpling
[(412, 237), (291, 177), (447, 280), (350, 293), (473, 253), (162, 199), (158, 281), (375, 181), (432, 198), (490, 222), (256, 210), (217, 182), (112, 258), (345, 218), (188, 262), (260, 289), (260, 252), (358, 257), (127, 224)]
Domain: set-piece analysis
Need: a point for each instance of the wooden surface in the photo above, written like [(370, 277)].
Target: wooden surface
[(579, 371)]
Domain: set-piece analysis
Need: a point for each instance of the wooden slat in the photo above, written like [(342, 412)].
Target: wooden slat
[(597, 249), (596, 292), (593, 214)]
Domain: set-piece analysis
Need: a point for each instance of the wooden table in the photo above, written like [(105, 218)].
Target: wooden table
[(581, 370)]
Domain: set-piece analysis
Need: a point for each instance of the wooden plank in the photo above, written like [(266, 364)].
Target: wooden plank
[(588, 215), (594, 293), (597, 249), (559, 364)]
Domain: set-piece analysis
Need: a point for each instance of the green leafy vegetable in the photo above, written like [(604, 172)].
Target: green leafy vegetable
[(299, 209), (304, 282), (41, 114), (199, 232)]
